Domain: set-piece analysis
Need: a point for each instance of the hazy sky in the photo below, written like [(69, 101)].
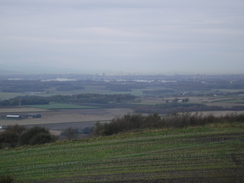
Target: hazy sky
[(128, 36)]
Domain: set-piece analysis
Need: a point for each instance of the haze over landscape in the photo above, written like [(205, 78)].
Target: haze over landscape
[(121, 91), (129, 36)]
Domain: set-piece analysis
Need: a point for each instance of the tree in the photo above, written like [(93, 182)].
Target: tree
[(185, 100), (36, 135), (10, 137), (41, 138), (70, 133)]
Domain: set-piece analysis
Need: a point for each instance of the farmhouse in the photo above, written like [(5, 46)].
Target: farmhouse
[(13, 116), (34, 116)]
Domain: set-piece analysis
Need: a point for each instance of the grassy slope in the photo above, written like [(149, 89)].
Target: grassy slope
[(213, 153)]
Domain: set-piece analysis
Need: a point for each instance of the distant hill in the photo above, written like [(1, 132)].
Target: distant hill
[(9, 72)]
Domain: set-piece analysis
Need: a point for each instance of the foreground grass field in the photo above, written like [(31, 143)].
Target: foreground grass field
[(211, 153)]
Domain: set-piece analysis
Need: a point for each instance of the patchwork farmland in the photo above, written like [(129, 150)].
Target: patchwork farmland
[(205, 153)]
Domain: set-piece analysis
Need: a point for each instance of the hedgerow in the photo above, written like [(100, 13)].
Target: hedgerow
[(137, 121)]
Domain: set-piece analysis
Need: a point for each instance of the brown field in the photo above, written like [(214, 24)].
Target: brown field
[(71, 115), (20, 109), (61, 119)]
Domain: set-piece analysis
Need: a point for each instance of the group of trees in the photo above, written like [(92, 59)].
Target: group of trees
[(132, 122), (17, 135), (171, 107), (76, 99), (26, 100), (92, 98), (74, 133)]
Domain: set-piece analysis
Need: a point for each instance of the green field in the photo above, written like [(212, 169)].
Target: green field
[(61, 106), (5, 95), (88, 89), (212, 153)]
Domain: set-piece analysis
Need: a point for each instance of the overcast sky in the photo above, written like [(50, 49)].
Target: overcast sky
[(128, 36)]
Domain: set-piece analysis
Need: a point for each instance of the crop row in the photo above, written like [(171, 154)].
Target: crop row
[(142, 156)]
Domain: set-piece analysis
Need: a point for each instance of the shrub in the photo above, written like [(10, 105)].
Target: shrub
[(6, 179), (16, 128), (70, 133), (34, 136), (17, 135), (10, 137), (42, 138), (87, 130), (128, 122), (98, 130)]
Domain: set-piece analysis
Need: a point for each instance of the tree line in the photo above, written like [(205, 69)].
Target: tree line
[(168, 108), (131, 122), (76, 99), (16, 135)]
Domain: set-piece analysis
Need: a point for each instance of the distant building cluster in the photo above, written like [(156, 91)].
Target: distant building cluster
[(23, 116)]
